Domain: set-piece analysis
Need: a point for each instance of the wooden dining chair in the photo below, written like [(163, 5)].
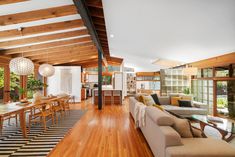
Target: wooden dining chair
[(57, 109), (43, 113), (65, 104)]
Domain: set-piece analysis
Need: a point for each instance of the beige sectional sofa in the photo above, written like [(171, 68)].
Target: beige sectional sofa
[(198, 108), (165, 141)]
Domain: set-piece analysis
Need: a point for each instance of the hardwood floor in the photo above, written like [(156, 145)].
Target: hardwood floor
[(107, 133)]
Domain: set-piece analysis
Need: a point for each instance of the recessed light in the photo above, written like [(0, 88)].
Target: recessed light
[(111, 35)]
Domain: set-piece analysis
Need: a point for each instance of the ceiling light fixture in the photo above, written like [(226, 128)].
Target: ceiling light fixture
[(111, 36), (46, 70)]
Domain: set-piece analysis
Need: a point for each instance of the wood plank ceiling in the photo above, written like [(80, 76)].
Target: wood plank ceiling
[(55, 33)]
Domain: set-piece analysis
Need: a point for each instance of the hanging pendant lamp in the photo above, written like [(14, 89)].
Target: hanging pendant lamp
[(46, 70), (21, 65)]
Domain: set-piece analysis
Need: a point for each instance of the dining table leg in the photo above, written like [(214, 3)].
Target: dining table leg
[(23, 123)]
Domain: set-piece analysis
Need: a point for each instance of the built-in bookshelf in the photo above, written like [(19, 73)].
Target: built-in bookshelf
[(131, 83), (173, 81)]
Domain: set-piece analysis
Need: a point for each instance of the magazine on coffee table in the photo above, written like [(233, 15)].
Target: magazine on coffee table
[(214, 119)]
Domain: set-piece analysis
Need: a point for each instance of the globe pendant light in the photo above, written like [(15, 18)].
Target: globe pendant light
[(46, 70), (21, 66)]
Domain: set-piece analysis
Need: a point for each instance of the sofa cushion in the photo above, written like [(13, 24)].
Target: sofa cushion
[(183, 127), (184, 111), (159, 117), (148, 100), (155, 98), (137, 96), (201, 147), (174, 101), (158, 106), (185, 103)]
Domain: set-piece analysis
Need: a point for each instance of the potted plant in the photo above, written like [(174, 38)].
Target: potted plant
[(35, 86)]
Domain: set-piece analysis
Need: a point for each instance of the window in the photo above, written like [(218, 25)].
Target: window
[(30, 93), (207, 72), (222, 72), (202, 91)]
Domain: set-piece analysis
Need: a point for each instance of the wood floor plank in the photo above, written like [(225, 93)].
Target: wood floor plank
[(110, 132)]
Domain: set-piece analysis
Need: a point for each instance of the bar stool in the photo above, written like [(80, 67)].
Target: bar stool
[(96, 94), (108, 93), (117, 93)]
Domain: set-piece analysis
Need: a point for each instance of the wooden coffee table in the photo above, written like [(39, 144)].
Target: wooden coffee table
[(226, 127)]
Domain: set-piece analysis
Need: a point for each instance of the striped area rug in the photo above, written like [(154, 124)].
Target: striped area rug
[(39, 142)]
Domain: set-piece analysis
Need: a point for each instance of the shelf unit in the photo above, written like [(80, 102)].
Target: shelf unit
[(173, 81)]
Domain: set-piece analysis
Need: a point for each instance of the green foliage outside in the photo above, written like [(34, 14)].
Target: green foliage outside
[(187, 90), (222, 102), (34, 85)]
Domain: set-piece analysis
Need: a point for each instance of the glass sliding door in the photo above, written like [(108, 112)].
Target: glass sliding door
[(1, 84), (226, 98)]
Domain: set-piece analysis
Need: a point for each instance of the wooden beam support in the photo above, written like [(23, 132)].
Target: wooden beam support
[(37, 15), (83, 10), (42, 29), (44, 38), (46, 46)]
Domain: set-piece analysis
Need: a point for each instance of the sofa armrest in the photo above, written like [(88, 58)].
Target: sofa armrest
[(171, 137), (200, 105)]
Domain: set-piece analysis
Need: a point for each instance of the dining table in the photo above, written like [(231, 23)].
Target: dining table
[(20, 109)]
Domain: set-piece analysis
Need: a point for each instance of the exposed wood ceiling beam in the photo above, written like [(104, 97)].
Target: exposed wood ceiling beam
[(3, 2), (94, 3), (70, 56), (42, 29), (41, 53), (45, 46), (7, 44), (63, 53), (97, 12), (37, 15), (83, 10), (100, 28), (75, 59), (98, 21)]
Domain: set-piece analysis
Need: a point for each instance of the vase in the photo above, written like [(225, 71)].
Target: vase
[(37, 97)]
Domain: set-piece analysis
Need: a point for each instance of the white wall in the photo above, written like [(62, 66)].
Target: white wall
[(67, 79)]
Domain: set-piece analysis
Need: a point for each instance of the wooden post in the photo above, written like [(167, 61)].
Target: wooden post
[(6, 95), (45, 88), (99, 80), (214, 98)]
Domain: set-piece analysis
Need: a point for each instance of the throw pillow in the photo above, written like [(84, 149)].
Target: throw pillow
[(197, 133), (155, 98), (183, 127), (141, 99), (187, 97), (158, 106), (185, 103), (148, 100), (174, 101)]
